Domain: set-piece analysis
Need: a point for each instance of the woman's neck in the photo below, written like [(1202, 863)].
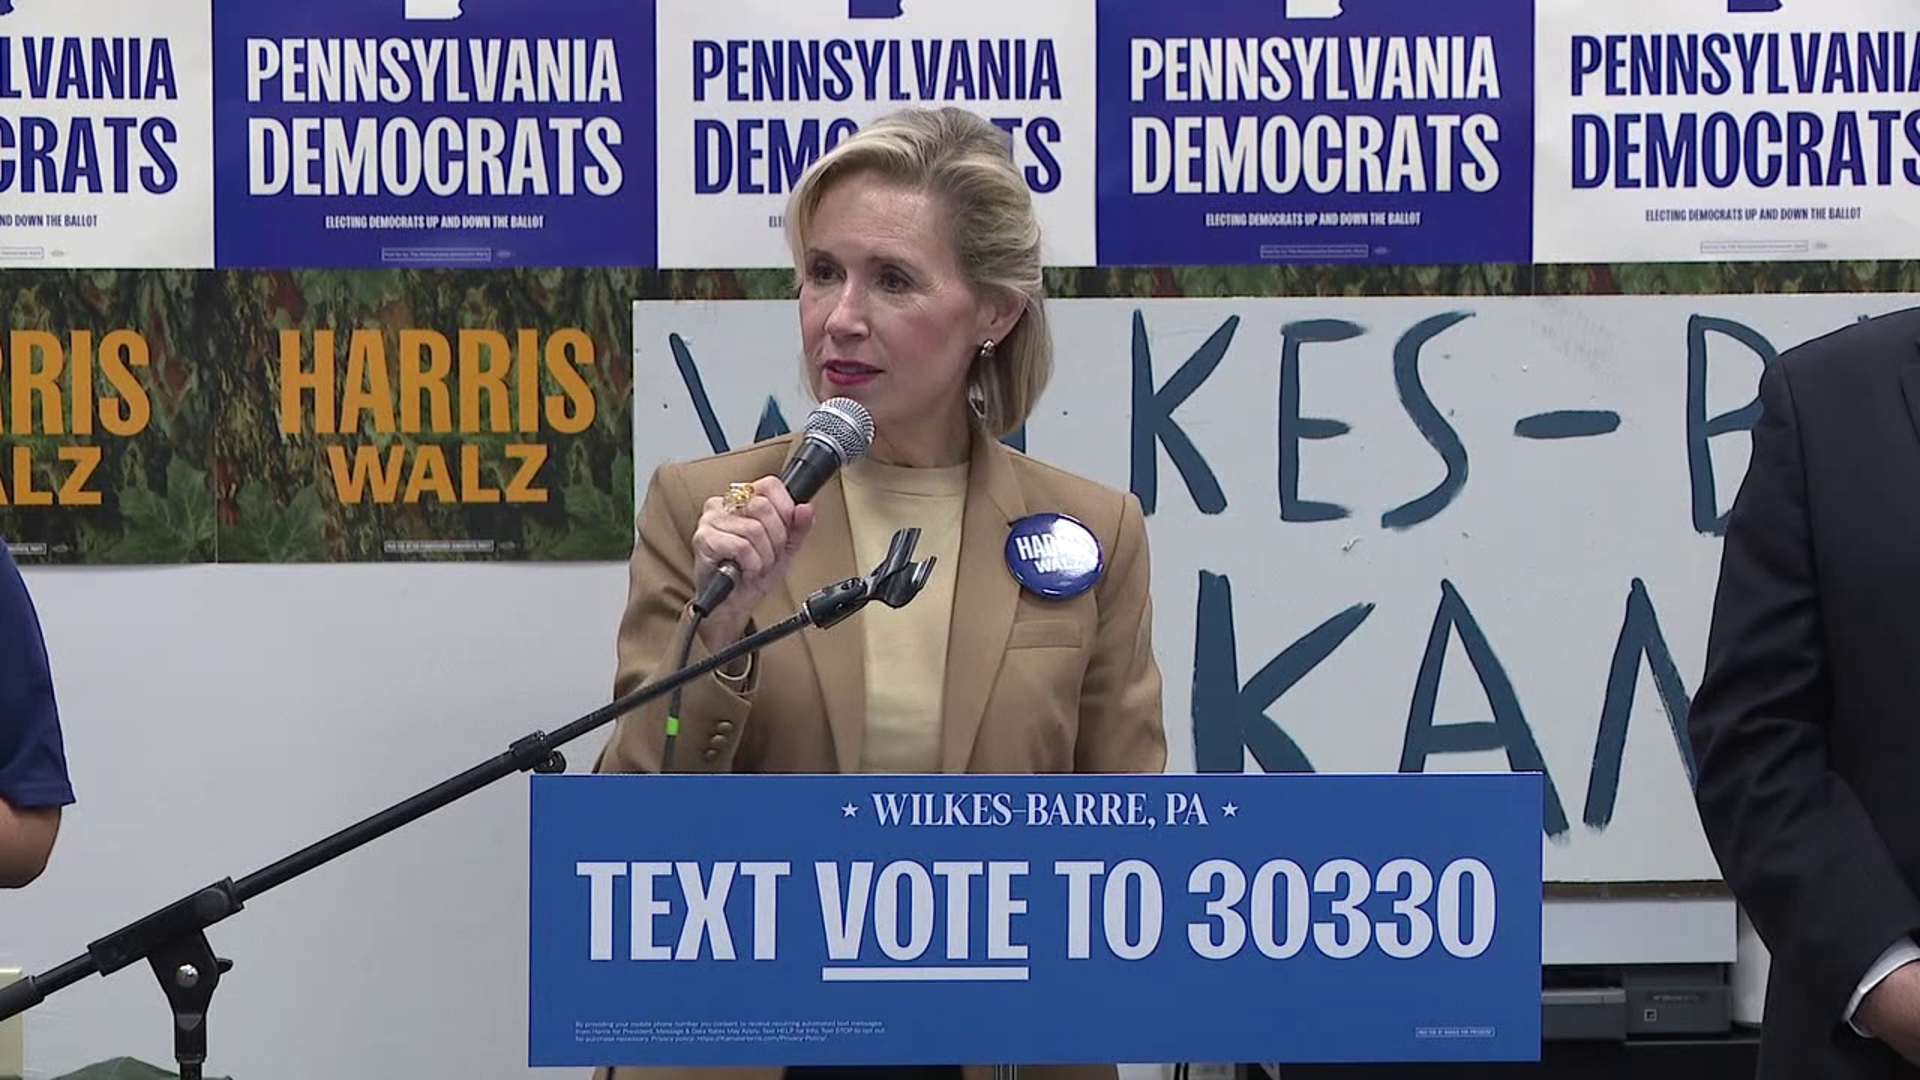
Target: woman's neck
[(930, 447)]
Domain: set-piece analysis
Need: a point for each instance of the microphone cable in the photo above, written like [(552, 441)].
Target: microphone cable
[(673, 701)]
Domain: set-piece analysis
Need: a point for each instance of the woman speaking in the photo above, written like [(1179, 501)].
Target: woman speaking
[(1030, 650)]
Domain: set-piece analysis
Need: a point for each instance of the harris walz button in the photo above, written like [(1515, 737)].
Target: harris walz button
[(1053, 556)]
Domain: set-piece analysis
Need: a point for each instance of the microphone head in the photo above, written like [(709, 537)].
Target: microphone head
[(845, 425)]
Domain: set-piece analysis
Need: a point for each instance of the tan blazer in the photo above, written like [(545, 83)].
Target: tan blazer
[(1033, 685)]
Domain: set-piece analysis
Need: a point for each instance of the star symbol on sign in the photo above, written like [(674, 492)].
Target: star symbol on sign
[(849, 810), (1229, 809)]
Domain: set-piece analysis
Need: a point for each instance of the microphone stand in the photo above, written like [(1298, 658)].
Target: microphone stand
[(173, 942)]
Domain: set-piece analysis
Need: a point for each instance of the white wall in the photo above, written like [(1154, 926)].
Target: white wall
[(293, 701), (286, 703)]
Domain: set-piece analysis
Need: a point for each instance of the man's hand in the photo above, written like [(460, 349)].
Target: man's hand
[(1891, 1011)]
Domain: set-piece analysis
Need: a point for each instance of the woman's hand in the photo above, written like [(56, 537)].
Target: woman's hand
[(760, 539)]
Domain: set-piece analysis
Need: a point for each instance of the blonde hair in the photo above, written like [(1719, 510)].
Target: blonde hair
[(967, 163)]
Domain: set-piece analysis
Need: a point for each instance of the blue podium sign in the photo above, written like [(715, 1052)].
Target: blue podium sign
[(780, 919)]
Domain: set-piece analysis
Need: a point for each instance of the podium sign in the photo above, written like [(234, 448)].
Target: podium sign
[(852, 920)]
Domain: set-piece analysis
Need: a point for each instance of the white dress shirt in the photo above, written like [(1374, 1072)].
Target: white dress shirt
[(1900, 952)]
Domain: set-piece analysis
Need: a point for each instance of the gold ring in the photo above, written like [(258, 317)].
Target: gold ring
[(738, 496)]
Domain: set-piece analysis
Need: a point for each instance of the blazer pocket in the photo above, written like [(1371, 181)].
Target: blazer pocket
[(1046, 633)]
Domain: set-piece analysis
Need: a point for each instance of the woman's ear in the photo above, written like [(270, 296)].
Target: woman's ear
[(1003, 310)]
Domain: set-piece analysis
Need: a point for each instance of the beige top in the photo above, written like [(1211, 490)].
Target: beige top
[(906, 648)]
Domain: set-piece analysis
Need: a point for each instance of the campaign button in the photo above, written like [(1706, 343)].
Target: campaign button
[(1054, 556)]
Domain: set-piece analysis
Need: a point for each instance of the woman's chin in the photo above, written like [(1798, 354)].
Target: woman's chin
[(825, 388)]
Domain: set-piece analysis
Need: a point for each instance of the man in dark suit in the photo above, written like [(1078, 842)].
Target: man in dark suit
[(1806, 725)]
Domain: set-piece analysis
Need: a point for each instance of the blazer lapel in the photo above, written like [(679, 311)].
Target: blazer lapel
[(838, 652), (985, 596), (1910, 386)]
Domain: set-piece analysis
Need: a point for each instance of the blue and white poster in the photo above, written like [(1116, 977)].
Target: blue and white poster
[(106, 134), (754, 91), (1728, 130), (1315, 131), (778, 919), (467, 133)]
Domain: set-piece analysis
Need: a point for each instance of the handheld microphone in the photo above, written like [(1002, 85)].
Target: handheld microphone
[(838, 431)]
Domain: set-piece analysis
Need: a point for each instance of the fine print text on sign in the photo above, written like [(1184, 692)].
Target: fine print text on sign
[(731, 920)]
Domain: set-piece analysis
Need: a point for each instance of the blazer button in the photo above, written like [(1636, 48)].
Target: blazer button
[(718, 740), (711, 754), (723, 726)]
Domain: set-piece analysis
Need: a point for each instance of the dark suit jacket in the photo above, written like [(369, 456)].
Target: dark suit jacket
[(1806, 726), (1032, 685)]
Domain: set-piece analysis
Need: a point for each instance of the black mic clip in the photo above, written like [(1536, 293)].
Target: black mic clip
[(895, 582)]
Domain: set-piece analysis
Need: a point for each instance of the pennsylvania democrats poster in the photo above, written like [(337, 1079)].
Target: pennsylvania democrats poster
[(1734, 130), (427, 133)]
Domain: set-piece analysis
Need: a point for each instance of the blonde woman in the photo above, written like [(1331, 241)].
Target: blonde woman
[(918, 256)]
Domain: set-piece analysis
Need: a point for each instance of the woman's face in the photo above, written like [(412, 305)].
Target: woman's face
[(886, 316)]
